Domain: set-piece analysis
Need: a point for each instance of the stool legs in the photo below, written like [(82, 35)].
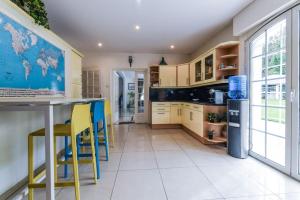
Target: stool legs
[(30, 166), (66, 156), (106, 142), (92, 141), (97, 149), (75, 167)]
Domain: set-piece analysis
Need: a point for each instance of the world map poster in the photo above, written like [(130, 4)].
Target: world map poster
[(29, 65)]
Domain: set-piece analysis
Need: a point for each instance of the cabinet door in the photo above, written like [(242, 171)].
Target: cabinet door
[(161, 118), (183, 75), (167, 76), (175, 115), (192, 73), (197, 122), (185, 117), (210, 66), (199, 71)]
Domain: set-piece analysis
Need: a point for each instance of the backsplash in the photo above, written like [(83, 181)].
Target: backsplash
[(184, 94)]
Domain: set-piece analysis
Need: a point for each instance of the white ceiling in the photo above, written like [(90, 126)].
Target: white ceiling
[(184, 23)]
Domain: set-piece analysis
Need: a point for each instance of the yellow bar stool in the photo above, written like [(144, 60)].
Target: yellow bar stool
[(80, 121), (109, 116)]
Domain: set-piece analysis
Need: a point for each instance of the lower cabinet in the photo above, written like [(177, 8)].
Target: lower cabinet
[(175, 114), (161, 118), (187, 114)]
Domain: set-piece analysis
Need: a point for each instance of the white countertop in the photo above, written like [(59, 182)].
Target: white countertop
[(31, 101)]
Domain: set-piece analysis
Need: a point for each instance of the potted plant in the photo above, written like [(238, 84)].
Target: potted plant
[(211, 117), (210, 134)]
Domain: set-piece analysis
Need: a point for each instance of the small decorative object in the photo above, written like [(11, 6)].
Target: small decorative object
[(222, 66), (130, 60), (131, 86), (163, 62), (210, 134)]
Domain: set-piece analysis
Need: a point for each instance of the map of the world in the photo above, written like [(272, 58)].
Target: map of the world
[(29, 65)]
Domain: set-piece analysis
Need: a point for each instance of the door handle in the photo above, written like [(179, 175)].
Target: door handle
[(292, 95)]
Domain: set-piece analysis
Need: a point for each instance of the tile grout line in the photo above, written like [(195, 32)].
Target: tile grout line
[(198, 168), (113, 189), (159, 171)]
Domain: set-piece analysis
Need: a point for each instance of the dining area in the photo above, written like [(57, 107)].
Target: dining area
[(83, 132)]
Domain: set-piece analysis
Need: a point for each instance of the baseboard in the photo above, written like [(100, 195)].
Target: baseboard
[(22, 184), (165, 126)]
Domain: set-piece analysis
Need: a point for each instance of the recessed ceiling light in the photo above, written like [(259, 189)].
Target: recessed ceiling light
[(172, 46), (137, 27), (99, 44)]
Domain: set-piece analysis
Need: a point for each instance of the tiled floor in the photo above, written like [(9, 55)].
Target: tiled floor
[(169, 164)]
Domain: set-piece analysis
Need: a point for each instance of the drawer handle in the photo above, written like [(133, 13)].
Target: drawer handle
[(160, 109), (161, 113)]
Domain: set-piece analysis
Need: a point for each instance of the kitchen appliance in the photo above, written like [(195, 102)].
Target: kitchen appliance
[(219, 97), (237, 131)]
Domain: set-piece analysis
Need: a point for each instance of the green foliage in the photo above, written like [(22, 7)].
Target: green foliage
[(36, 9)]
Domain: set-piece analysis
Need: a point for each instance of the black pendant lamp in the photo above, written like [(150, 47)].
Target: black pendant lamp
[(163, 62)]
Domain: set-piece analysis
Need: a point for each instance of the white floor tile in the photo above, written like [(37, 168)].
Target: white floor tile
[(171, 159), (187, 184), (138, 160), (138, 185), (267, 197), (290, 196)]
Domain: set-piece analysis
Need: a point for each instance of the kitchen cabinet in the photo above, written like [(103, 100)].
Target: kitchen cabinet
[(196, 71), (161, 113), (209, 66), (76, 75), (183, 77), (175, 114), (193, 118), (167, 75)]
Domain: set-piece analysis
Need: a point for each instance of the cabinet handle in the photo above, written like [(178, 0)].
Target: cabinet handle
[(160, 109), (160, 113)]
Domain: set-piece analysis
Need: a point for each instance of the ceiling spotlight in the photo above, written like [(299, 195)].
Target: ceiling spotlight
[(99, 44), (172, 46), (137, 27)]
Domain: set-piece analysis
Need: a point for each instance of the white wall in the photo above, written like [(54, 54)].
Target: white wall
[(257, 12), (107, 62), (15, 126), (224, 35)]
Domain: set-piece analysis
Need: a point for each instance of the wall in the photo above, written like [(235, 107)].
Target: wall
[(15, 126), (107, 62), (224, 35), (257, 12)]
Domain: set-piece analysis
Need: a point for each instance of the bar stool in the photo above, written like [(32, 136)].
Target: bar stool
[(80, 121), (98, 116), (108, 114)]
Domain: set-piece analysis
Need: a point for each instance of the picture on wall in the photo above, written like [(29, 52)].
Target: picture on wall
[(29, 65), (131, 86)]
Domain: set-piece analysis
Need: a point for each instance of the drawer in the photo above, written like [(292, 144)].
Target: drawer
[(161, 109), (160, 104), (197, 107), (176, 104), (187, 105), (161, 118)]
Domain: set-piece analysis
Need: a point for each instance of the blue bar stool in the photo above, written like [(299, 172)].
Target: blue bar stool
[(98, 116)]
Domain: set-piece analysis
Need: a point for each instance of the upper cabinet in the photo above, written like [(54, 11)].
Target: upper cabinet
[(209, 66), (183, 78), (167, 75), (214, 66)]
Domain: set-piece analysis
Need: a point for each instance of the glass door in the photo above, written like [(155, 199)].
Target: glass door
[(295, 94), (140, 97), (270, 81)]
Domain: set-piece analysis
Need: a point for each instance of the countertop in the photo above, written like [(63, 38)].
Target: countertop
[(194, 102)]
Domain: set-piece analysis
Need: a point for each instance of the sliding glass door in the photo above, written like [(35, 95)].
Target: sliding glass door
[(270, 81), (295, 167)]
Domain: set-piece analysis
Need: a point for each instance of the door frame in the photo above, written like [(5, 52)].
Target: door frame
[(288, 16), (295, 166), (146, 85)]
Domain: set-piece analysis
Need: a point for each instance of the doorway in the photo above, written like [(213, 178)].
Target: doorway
[(274, 93), (129, 96)]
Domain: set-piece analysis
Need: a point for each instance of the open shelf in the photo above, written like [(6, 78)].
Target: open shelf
[(228, 68), (229, 56), (217, 124), (215, 140)]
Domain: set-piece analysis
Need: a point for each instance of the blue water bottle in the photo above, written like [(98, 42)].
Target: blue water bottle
[(237, 87)]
